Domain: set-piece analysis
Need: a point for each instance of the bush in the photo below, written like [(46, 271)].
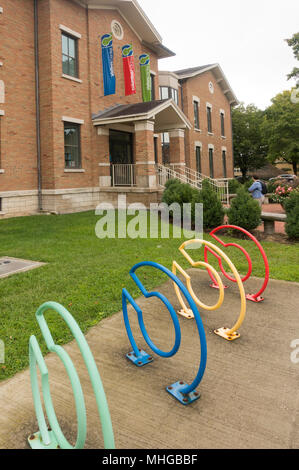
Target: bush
[(291, 206), (175, 191), (233, 186), (244, 211), (213, 212)]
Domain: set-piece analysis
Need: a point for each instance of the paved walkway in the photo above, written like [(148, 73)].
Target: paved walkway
[(249, 394)]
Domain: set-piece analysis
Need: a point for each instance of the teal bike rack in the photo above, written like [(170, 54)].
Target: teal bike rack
[(54, 438)]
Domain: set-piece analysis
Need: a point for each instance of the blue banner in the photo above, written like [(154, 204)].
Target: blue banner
[(108, 69)]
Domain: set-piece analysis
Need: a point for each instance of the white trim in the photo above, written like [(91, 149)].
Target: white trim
[(1, 10), (2, 171), (196, 99), (152, 72), (55, 192), (67, 30), (209, 105), (73, 120), (103, 131), (69, 77), (74, 170), (144, 126), (211, 146), (104, 164), (146, 163), (21, 193), (1, 64), (197, 143), (177, 133), (221, 111), (2, 112), (223, 149)]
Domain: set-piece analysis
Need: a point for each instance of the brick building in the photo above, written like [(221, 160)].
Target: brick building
[(65, 144)]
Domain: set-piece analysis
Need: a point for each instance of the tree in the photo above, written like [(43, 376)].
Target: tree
[(293, 42), (250, 148), (281, 129)]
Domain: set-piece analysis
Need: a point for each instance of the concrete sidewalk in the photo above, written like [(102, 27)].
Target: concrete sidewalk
[(249, 393)]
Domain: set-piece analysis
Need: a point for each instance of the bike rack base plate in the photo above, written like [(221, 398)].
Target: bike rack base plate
[(215, 286), (141, 360), (254, 299), (223, 332), (186, 313), (35, 441), (184, 399)]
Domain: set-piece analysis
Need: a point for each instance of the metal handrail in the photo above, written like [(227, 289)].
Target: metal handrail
[(123, 174), (192, 177)]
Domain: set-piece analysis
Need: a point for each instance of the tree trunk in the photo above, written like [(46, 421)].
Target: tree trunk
[(295, 170)]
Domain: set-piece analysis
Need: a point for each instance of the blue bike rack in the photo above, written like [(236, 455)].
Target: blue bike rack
[(183, 392)]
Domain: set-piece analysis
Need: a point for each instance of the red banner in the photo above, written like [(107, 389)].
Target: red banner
[(129, 69)]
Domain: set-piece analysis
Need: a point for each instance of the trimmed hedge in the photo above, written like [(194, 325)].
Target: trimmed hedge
[(244, 211), (291, 206)]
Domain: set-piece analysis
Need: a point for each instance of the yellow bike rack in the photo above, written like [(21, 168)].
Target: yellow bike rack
[(229, 334)]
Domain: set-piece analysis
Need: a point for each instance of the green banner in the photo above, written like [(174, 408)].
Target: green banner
[(145, 73)]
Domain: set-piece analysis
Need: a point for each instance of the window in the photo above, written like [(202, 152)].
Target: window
[(165, 148), (164, 93), (168, 92), (69, 55), (222, 124), (72, 151), (209, 118), (211, 161), (174, 95), (153, 93), (156, 149), (198, 159), (224, 164), (196, 114)]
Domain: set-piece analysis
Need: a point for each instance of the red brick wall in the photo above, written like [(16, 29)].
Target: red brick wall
[(199, 86), (58, 96), (18, 135), (80, 100)]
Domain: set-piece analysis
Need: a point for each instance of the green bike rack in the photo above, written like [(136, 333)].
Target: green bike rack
[(54, 438)]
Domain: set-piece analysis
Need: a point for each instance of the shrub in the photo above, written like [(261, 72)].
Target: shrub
[(175, 191), (291, 206), (171, 182), (233, 186), (283, 193), (244, 211), (213, 212)]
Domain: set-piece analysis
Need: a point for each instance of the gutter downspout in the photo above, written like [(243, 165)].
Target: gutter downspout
[(37, 104)]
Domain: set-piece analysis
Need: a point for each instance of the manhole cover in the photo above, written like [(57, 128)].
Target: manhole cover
[(9, 266)]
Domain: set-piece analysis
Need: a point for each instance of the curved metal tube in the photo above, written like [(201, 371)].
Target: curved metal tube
[(126, 296), (232, 267), (36, 358), (257, 243)]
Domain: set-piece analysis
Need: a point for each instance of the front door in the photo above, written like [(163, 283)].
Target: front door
[(121, 158)]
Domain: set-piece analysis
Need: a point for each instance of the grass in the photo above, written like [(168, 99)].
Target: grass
[(86, 275)]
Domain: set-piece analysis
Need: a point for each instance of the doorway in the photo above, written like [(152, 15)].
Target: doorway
[(121, 158)]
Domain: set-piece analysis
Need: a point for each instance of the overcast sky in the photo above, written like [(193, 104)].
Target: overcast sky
[(246, 37)]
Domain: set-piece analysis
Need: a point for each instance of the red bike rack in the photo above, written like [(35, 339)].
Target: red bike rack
[(253, 297)]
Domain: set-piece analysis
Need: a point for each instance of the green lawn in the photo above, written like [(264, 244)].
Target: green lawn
[(87, 275)]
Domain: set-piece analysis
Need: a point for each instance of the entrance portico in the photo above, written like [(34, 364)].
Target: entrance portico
[(125, 142)]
